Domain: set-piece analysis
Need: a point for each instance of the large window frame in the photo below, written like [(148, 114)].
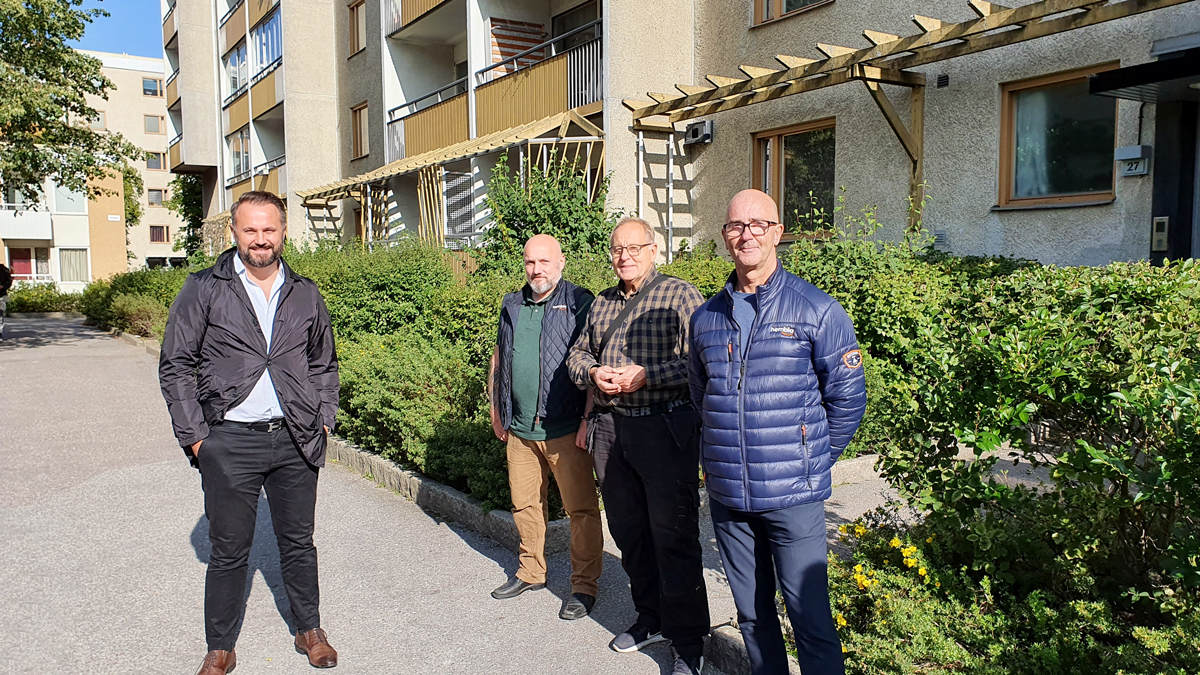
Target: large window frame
[(767, 11), (159, 234), (238, 144), (360, 135), (357, 24), (237, 71), (74, 271), (1008, 120), (155, 88), (770, 179), (162, 124), (267, 41)]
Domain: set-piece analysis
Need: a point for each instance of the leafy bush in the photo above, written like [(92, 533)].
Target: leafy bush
[(27, 297), (161, 284), (703, 268), (139, 314)]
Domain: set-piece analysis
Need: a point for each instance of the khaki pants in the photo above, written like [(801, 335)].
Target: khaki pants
[(529, 463)]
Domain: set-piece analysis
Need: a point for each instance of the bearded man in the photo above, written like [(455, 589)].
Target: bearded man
[(250, 375), (538, 411)]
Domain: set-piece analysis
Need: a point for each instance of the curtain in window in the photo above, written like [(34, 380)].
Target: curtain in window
[(73, 264), (1032, 161), (42, 256)]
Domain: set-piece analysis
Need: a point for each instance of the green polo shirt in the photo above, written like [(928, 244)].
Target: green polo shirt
[(527, 372)]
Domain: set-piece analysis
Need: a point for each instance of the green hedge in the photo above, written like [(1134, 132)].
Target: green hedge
[(27, 297)]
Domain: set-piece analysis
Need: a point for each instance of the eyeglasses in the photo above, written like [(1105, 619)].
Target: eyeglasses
[(634, 249), (757, 227)]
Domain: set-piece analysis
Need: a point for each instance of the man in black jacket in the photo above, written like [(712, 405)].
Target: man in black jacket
[(250, 376)]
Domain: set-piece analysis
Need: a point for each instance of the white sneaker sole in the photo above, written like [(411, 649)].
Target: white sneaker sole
[(650, 639)]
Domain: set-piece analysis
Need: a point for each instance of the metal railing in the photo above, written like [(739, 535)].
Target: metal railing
[(267, 70), (585, 73), (225, 19), (547, 49), (171, 78), (395, 141), (237, 178), (234, 96), (266, 166), (175, 141), (390, 16), (167, 16), (433, 98)]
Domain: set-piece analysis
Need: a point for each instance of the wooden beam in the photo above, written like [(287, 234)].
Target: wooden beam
[(927, 24), (877, 38), (761, 95), (893, 119), (983, 8), (968, 37), (793, 61), (903, 78), (662, 97), (834, 50), (719, 81), (634, 104), (916, 184), (757, 72), (691, 90), (586, 125), (659, 123)]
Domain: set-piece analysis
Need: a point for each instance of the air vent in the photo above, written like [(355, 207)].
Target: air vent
[(943, 81), (939, 239)]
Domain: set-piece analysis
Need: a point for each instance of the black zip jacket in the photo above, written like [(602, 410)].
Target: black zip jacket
[(214, 352)]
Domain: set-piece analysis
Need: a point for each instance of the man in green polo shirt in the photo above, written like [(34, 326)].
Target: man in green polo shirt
[(539, 412)]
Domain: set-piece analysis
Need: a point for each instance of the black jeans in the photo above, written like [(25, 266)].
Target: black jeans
[(791, 543), (648, 469), (235, 464)]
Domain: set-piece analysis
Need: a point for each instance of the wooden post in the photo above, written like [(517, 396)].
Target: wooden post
[(916, 185)]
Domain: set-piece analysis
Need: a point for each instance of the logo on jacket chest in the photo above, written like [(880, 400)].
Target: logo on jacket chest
[(784, 331)]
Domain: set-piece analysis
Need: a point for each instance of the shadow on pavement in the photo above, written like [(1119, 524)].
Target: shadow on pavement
[(264, 557), (34, 333)]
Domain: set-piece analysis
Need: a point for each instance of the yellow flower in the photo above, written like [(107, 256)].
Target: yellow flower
[(860, 530), (844, 650), (887, 562), (938, 584), (921, 571), (910, 562), (895, 542), (841, 620), (858, 567), (929, 540), (842, 529)]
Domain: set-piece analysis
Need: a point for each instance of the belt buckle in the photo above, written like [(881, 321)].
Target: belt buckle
[(274, 425)]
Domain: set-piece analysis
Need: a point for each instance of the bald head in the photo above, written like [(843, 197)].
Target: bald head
[(544, 263), (750, 205)]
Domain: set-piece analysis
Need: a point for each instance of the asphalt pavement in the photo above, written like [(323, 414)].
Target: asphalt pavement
[(103, 547)]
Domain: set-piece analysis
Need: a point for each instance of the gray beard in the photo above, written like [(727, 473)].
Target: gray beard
[(543, 287)]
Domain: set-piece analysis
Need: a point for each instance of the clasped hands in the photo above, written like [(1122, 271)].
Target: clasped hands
[(612, 381)]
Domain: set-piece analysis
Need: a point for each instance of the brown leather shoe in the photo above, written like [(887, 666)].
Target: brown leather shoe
[(218, 662), (316, 647)]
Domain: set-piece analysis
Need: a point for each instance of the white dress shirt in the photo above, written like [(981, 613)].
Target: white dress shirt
[(262, 403)]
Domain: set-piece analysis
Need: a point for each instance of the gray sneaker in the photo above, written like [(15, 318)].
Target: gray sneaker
[(634, 639), (686, 665)]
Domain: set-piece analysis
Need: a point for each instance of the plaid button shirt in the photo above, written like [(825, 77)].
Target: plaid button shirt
[(655, 337)]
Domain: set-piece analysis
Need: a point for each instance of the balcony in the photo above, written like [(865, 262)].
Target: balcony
[(18, 222), (170, 29), (175, 152), (435, 120), (233, 26), (271, 176), (173, 91), (236, 113), (396, 14), (266, 91), (569, 74), (259, 8)]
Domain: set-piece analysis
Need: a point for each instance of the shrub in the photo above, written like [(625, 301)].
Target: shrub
[(139, 314), (96, 301), (27, 297), (703, 268)]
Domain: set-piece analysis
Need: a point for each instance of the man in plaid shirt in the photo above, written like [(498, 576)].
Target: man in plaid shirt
[(645, 443)]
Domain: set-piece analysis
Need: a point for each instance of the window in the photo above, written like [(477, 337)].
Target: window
[(156, 160), (158, 234), (795, 166), (576, 18), (152, 86), (69, 201), (236, 70), (28, 264), (155, 196), (1056, 141), (239, 152), (15, 197), (358, 129), (73, 264), (358, 27), (99, 122), (768, 10), (268, 43), (155, 124)]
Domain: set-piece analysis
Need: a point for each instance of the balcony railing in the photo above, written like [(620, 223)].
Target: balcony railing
[(396, 14), (447, 92), (270, 164), (172, 76), (534, 55), (233, 8), (18, 221), (267, 69), (170, 28)]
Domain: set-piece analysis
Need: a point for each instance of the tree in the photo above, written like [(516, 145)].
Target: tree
[(131, 180), (186, 200), (44, 115)]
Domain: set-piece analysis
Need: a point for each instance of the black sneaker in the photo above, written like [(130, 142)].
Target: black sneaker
[(686, 665), (634, 639)]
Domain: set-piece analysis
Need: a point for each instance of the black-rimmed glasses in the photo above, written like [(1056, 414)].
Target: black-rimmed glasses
[(757, 227), (633, 249)]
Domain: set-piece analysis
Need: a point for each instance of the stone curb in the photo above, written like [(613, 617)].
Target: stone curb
[(443, 500), (152, 347), (855, 470), (46, 315)]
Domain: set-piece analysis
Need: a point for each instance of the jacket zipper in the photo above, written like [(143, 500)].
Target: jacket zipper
[(807, 459), (741, 396)]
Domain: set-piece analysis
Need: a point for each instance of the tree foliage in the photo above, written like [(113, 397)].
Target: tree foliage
[(186, 200), (44, 113), (131, 181)]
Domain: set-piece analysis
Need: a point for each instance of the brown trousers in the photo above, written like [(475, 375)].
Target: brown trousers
[(529, 464)]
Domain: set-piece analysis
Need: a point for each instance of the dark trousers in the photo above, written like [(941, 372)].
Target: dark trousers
[(791, 543), (649, 477), (235, 464)]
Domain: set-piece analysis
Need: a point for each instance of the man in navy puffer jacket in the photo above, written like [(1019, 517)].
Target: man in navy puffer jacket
[(777, 374)]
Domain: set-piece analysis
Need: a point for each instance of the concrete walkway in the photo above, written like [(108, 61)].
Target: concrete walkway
[(103, 547)]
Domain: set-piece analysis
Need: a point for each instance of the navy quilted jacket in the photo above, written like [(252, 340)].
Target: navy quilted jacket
[(775, 422), (558, 397)]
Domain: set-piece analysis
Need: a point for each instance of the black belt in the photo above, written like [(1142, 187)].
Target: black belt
[(266, 425), (646, 410)]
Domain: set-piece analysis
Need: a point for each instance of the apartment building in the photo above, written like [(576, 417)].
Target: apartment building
[(136, 108), (1012, 132), (251, 96)]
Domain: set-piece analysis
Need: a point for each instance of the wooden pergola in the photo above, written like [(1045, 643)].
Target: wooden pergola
[(886, 62)]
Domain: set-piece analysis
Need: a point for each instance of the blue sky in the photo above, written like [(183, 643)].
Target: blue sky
[(132, 27)]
